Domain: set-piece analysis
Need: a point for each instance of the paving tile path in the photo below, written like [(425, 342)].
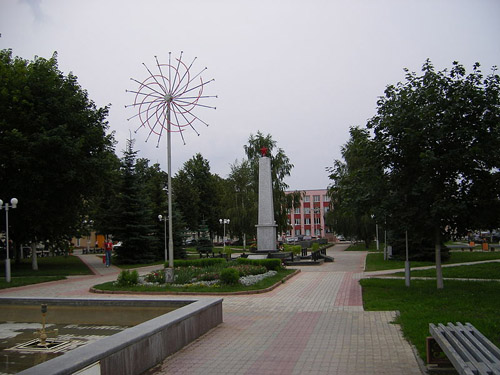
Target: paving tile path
[(312, 324)]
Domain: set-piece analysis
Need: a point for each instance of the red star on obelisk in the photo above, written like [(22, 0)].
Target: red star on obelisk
[(263, 151)]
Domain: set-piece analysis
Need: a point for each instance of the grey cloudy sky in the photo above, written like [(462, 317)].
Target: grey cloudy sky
[(302, 71)]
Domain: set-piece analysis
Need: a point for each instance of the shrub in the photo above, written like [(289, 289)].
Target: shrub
[(315, 246), (128, 278), (229, 276), (157, 276), (296, 249), (248, 269), (185, 275), (270, 264)]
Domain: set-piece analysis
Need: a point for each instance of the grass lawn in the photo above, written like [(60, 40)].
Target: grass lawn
[(360, 246), (476, 271), (27, 280), (48, 266), (266, 283), (376, 262), (421, 304)]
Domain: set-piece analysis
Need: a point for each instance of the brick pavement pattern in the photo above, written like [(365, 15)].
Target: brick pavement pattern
[(312, 324)]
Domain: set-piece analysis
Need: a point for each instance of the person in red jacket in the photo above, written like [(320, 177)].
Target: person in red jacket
[(108, 248)]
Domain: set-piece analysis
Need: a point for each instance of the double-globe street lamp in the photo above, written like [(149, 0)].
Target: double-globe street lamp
[(13, 204), (224, 222)]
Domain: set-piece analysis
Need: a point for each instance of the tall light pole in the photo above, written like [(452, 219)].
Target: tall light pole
[(164, 219), (224, 222), (13, 204), (376, 232)]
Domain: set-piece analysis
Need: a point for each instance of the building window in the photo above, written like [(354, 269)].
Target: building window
[(307, 221), (326, 209), (307, 210), (297, 232), (297, 210), (317, 221), (326, 198), (318, 232), (308, 232), (307, 198), (297, 221), (316, 198)]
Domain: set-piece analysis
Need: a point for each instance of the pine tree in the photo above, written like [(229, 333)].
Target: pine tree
[(132, 218)]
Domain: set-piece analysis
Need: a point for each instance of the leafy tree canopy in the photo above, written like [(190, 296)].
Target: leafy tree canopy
[(54, 147)]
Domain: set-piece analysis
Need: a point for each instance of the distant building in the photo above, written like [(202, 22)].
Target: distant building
[(308, 220)]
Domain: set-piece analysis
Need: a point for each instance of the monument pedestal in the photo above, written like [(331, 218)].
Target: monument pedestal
[(266, 238), (266, 227)]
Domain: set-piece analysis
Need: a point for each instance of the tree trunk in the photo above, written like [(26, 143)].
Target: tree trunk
[(34, 263), (439, 270)]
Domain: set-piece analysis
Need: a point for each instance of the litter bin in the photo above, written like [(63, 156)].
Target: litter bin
[(485, 246)]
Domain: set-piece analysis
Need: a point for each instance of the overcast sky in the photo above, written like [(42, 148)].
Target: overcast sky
[(302, 71)]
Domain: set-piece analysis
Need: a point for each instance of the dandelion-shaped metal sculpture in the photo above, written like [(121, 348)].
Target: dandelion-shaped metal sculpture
[(165, 101)]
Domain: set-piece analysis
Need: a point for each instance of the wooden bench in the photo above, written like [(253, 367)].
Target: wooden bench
[(470, 352)]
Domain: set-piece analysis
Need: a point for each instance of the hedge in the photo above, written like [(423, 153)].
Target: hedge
[(270, 264), (203, 262)]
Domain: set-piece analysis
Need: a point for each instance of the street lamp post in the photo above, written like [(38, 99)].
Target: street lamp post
[(376, 232), (224, 222), (164, 219), (13, 204)]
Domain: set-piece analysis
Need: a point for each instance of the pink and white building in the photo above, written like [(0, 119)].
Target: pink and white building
[(308, 220)]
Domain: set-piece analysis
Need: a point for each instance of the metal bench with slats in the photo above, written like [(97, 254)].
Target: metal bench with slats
[(470, 352)]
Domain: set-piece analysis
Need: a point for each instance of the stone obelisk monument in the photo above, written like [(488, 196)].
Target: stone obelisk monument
[(266, 227)]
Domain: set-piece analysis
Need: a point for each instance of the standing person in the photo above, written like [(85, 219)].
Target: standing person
[(108, 247)]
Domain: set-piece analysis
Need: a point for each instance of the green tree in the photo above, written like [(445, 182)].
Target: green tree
[(132, 220), (154, 186), (54, 148), (240, 200), (195, 194), (280, 169), (439, 138), (357, 185)]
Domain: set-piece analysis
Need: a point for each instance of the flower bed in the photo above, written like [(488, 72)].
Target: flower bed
[(251, 275)]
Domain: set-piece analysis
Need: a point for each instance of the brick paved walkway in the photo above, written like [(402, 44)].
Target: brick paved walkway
[(312, 324)]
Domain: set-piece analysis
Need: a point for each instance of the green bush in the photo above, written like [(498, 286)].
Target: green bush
[(204, 262), (296, 249), (157, 276), (185, 275), (270, 264), (315, 246), (248, 269), (229, 276), (128, 278)]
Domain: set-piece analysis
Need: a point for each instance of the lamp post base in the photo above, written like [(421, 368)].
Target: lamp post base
[(7, 270), (169, 275)]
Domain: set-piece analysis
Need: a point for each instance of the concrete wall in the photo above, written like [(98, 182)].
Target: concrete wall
[(139, 348)]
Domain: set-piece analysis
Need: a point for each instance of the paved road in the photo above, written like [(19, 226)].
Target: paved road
[(312, 324)]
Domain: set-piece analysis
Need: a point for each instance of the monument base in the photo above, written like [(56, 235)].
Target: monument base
[(266, 237)]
